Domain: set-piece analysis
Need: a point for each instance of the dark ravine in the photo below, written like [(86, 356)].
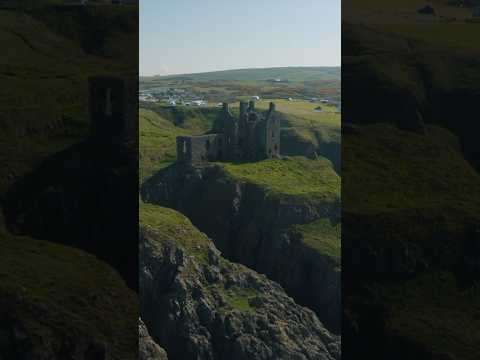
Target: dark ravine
[(254, 229), (203, 306)]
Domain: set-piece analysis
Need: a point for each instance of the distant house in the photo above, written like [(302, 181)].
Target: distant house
[(290, 99), (172, 103), (255, 97), (426, 10)]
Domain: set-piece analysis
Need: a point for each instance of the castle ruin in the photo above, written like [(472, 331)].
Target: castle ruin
[(251, 137)]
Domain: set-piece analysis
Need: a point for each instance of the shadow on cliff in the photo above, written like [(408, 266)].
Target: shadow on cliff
[(82, 197)]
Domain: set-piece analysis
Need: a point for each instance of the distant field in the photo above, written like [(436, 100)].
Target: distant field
[(449, 26), (302, 109)]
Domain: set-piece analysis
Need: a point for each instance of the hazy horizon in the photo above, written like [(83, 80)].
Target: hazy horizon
[(216, 36), (250, 68)]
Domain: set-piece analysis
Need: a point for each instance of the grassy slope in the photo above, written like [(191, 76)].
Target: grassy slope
[(384, 157), (438, 312), (414, 187), (157, 142), (80, 294), (173, 227), (323, 236), (303, 122), (292, 177), (43, 100)]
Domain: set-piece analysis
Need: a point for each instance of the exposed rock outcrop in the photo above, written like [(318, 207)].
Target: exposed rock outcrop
[(147, 348), (251, 227), (197, 305)]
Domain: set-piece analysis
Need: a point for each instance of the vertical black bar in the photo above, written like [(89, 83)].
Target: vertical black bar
[(411, 180), (69, 180)]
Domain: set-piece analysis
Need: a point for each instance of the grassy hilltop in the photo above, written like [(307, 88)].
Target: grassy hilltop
[(294, 74), (229, 85)]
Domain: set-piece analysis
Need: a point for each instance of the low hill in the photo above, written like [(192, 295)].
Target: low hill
[(292, 74), (60, 302)]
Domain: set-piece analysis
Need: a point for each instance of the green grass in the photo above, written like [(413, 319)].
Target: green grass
[(432, 309), (43, 100), (194, 120), (172, 226), (323, 236), (79, 294), (292, 177), (157, 142), (389, 170), (303, 124)]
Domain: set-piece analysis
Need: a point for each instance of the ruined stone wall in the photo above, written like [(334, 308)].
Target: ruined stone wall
[(202, 148), (252, 137), (272, 134)]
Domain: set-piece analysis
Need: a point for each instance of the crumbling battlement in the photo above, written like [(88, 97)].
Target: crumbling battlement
[(251, 137)]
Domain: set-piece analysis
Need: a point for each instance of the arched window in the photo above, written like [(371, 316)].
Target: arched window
[(184, 147)]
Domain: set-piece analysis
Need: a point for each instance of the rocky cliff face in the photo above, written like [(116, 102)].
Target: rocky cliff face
[(255, 229), (199, 305), (147, 348)]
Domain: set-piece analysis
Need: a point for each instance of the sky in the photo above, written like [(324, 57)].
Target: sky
[(189, 36)]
